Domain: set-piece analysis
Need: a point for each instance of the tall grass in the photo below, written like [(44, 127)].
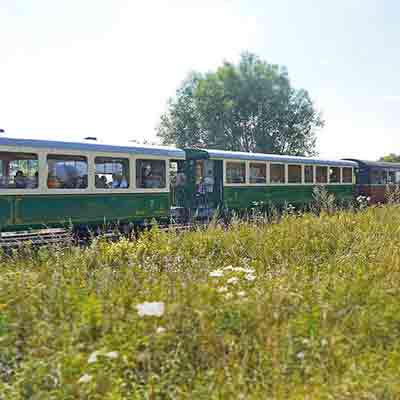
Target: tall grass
[(304, 308)]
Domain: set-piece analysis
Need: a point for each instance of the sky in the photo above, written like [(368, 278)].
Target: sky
[(106, 68)]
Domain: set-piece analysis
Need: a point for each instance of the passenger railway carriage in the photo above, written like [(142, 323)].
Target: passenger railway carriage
[(240, 179), (51, 183), (374, 178), (47, 183)]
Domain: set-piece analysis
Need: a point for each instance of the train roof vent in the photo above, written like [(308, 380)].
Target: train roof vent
[(91, 138)]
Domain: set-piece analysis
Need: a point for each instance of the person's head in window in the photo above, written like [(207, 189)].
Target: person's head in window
[(124, 182), (20, 179), (116, 180), (147, 170)]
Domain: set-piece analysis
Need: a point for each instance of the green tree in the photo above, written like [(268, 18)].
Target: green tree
[(248, 107), (392, 157)]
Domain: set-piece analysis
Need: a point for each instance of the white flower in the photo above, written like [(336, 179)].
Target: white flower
[(324, 342), (85, 378), (160, 329), (155, 309), (229, 268), (301, 355), (250, 277), (222, 289), (228, 296), (233, 280), (241, 293), (93, 357), (112, 354), (216, 273)]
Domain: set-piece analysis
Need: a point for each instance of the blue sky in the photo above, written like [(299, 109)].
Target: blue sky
[(106, 68)]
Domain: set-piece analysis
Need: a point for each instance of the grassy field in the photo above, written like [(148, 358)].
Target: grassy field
[(307, 308)]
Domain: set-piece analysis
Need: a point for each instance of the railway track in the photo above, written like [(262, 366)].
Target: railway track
[(60, 236)]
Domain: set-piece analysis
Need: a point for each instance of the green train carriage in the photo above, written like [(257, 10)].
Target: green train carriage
[(239, 179), (47, 183)]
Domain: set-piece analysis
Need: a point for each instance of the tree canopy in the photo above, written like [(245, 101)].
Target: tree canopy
[(392, 157), (248, 107)]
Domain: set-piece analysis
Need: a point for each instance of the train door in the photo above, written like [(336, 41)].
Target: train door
[(208, 187)]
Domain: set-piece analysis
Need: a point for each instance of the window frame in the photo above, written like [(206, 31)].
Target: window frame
[(27, 150), (89, 162), (111, 190), (266, 172), (301, 174), (246, 165), (285, 173), (133, 175), (342, 176), (327, 174)]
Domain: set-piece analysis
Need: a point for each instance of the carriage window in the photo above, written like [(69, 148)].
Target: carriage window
[(308, 174), (19, 171), (277, 173), (397, 177), (67, 172), (294, 174), (235, 172), (258, 173), (379, 176), (322, 174), (347, 175), (392, 177), (334, 175), (111, 173), (150, 174)]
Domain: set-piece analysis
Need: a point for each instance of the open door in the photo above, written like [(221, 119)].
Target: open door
[(204, 184)]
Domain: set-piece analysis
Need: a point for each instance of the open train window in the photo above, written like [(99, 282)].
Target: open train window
[(294, 174), (258, 173), (235, 172), (19, 170), (67, 172), (150, 174), (334, 175), (111, 173), (277, 173), (308, 174), (322, 174), (347, 175)]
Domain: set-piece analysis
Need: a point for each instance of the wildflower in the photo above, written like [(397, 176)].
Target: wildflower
[(112, 354), (229, 268), (93, 357), (155, 309), (242, 293), (216, 273), (85, 378), (301, 355), (324, 342), (241, 269), (233, 280), (222, 289), (250, 277), (160, 329), (228, 296)]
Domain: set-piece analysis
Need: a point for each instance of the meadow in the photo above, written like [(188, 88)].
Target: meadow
[(298, 308)]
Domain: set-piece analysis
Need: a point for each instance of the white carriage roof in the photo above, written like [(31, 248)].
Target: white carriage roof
[(92, 145), (237, 155)]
